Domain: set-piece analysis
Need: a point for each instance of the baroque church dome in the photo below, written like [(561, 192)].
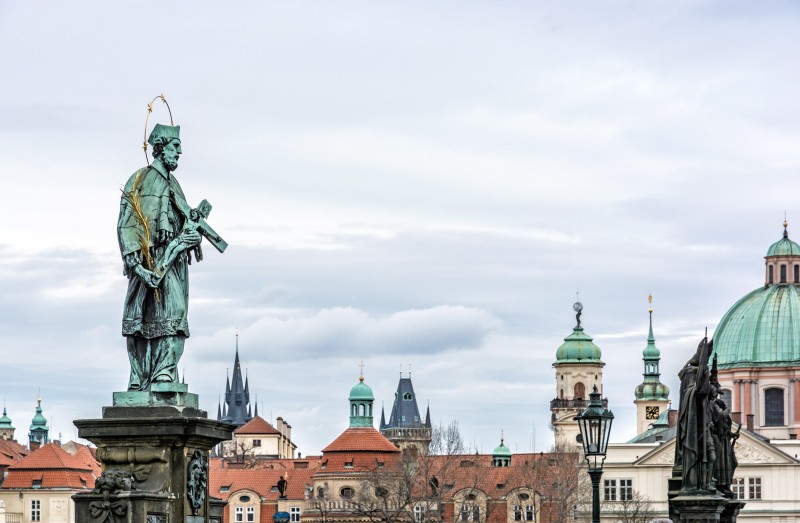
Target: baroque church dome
[(762, 329)]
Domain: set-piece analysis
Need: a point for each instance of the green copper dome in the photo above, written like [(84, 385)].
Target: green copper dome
[(578, 348), (5, 421), (361, 391), (784, 247), (39, 422), (761, 330), (501, 451)]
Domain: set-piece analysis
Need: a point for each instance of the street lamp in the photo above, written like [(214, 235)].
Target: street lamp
[(595, 427)]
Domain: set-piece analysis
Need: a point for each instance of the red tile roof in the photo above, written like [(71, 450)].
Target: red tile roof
[(257, 425), (360, 439), (54, 467), (11, 452), (260, 481), (50, 456)]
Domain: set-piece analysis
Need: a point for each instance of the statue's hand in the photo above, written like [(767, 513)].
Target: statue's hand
[(189, 238), (149, 278)]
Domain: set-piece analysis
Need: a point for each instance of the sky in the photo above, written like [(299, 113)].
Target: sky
[(401, 183)]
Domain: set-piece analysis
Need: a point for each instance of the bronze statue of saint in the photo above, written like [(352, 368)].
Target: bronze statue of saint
[(156, 240)]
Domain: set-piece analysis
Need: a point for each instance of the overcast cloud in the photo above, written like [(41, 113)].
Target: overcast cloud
[(400, 183)]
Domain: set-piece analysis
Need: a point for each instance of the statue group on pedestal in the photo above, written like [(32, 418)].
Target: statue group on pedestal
[(704, 448)]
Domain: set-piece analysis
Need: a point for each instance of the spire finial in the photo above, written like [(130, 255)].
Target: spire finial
[(502, 438), (361, 367), (785, 225), (401, 370), (409, 371), (650, 301)]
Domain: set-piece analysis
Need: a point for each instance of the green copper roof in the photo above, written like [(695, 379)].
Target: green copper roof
[(39, 422), (784, 246), (5, 421), (761, 330), (578, 348), (361, 391), (501, 451)]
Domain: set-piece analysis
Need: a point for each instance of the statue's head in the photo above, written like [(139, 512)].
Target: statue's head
[(166, 144)]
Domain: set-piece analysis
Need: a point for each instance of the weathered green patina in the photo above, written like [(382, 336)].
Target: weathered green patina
[(158, 234)]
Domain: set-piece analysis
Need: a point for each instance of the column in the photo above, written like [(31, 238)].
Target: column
[(748, 398)]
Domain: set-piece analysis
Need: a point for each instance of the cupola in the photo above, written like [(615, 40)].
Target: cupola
[(361, 399), (501, 455)]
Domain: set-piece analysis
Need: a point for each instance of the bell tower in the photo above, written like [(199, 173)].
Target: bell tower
[(578, 368), (652, 396)]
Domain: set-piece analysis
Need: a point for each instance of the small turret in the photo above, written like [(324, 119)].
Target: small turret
[(39, 432), (501, 455), (6, 429)]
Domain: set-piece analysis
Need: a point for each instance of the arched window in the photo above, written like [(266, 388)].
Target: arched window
[(773, 407), (783, 273), (771, 274), (360, 409), (355, 410), (346, 492), (797, 273), (580, 391), (407, 396), (561, 394)]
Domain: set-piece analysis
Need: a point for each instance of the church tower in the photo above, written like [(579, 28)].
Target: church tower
[(652, 396), (6, 429), (236, 408), (39, 433), (578, 368), (406, 428)]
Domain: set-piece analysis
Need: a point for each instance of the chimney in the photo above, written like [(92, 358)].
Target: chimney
[(750, 420), (672, 418), (736, 417)]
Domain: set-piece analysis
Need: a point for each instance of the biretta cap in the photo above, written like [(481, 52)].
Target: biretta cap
[(164, 131)]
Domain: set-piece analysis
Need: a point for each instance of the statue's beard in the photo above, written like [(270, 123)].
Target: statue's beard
[(170, 162)]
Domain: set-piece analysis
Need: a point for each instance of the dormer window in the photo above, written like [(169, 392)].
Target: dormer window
[(407, 396)]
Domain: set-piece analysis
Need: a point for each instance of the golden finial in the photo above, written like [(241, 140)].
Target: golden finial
[(650, 301), (361, 366)]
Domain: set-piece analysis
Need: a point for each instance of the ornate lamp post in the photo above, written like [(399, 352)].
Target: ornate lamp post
[(595, 427)]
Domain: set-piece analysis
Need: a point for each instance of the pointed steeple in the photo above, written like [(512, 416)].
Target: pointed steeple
[(406, 427), (428, 416), (383, 418), (651, 388), (219, 409), (237, 394), (256, 412)]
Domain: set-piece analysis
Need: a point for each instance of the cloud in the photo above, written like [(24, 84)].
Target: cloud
[(346, 331)]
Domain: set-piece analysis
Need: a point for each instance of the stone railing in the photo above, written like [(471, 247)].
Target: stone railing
[(10, 517), (573, 404)]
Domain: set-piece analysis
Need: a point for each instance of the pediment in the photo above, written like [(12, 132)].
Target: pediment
[(749, 450)]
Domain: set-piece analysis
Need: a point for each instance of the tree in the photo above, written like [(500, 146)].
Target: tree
[(635, 508)]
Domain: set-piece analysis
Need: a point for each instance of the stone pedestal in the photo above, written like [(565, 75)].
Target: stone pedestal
[(154, 457), (731, 511), (700, 508)]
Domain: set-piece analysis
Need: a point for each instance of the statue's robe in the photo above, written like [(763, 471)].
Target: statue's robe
[(155, 325)]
